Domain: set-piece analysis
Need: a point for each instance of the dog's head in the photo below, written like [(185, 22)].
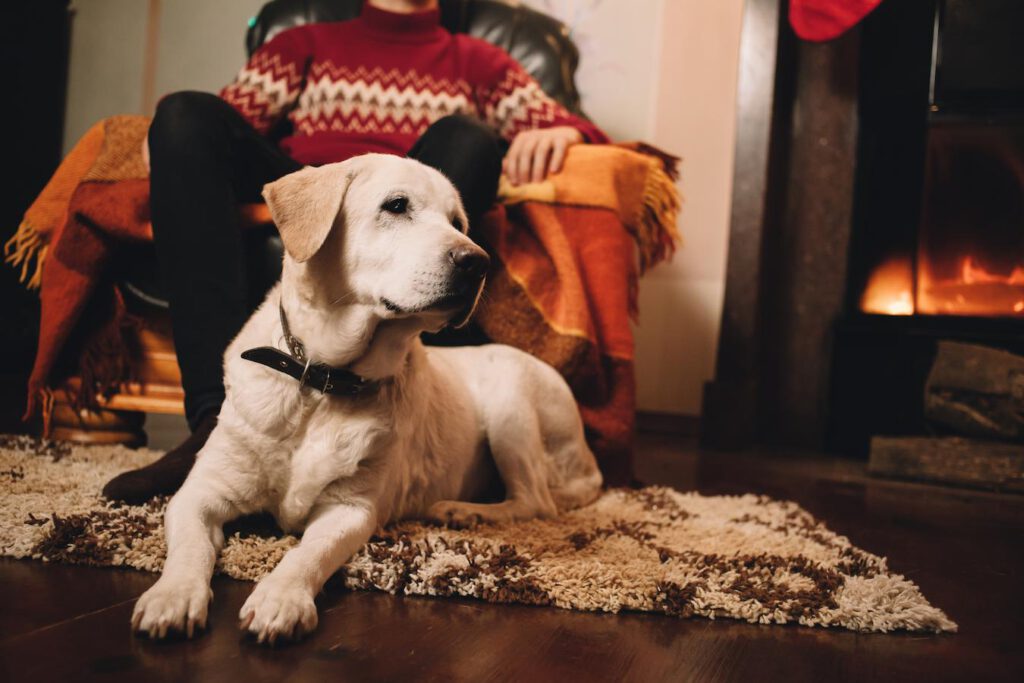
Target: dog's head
[(383, 231)]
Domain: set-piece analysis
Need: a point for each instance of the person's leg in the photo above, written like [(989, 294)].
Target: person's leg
[(205, 159), (469, 153)]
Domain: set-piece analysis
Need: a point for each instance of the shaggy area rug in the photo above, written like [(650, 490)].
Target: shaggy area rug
[(653, 550)]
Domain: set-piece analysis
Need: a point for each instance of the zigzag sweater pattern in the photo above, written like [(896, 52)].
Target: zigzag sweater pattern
[(376, 82)]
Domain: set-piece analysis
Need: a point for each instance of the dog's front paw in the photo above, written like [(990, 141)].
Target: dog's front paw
[(172, 604), (278, 609), (454, 514)]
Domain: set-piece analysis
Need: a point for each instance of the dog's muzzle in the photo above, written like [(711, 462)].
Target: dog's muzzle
[(468, 271)]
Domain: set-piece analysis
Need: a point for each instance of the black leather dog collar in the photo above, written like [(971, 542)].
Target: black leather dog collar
[(327, 379), (319, 376)]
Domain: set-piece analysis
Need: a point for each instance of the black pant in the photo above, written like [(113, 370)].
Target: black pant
[(205, 159)]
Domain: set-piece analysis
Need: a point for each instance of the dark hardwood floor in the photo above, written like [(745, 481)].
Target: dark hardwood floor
[(965, 550)]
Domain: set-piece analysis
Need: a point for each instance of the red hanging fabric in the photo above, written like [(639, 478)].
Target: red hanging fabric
[(819, 20)]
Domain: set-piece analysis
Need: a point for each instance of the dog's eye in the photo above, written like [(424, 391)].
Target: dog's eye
[(457, 223), (396, 205)]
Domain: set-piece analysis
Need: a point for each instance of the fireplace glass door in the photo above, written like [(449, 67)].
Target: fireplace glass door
[(969, 258)]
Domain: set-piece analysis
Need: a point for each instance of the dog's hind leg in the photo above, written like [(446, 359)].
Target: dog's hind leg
[(521, 457), (580, 490)]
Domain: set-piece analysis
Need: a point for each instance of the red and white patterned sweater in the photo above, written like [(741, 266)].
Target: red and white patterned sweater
[(375, 83)]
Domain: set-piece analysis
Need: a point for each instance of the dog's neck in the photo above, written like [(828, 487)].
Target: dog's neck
[(342, 333)]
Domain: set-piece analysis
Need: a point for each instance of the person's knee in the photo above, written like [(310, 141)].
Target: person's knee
[(471, 125), (464, 145), (182, 115), (469, 132), (469, 153)]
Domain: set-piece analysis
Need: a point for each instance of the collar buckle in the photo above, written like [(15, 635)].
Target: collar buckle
[(305, 373), (300, 366)]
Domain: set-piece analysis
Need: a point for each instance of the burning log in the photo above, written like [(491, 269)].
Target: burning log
[(976, 391)]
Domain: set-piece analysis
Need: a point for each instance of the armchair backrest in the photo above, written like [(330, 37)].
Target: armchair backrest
[(537, 41)]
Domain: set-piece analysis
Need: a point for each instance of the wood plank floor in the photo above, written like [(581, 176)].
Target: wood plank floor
[(965, 549)]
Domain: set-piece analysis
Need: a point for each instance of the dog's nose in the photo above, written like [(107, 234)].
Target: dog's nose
[(469, 260)]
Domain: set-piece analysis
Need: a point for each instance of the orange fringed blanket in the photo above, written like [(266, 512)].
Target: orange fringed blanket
[(563, 287)]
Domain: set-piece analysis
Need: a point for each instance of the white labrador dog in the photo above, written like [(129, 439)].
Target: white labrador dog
[(376, 253)]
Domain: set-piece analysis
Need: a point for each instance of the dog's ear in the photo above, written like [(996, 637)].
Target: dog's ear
[(305, 204)]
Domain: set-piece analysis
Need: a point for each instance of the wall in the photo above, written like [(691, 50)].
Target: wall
[(108, 39), (200, 45), (663, 71), (695, 117)]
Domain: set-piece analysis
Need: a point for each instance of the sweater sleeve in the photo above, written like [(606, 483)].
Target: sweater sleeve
[(269, 84), (511, 100)]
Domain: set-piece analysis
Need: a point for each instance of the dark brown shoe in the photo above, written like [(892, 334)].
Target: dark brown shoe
[(164, 476)]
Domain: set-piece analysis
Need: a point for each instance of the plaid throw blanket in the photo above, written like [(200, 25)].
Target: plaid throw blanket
[(564, 286)]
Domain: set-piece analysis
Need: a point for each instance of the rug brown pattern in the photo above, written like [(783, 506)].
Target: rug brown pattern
[(654, 550)]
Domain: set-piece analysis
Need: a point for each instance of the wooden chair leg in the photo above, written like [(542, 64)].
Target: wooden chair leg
[(99, 426), (119, 418)]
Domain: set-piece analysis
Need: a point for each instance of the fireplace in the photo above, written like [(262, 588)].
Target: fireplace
[(937, 239), (877, 222)]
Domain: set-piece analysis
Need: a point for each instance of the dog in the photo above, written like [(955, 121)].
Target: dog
[(338, 420)]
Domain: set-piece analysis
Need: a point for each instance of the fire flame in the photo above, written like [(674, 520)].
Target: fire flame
[(973, 291), (890, 289), (971, 274)]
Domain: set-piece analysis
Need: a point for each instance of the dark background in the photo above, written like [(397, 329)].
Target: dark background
[(35, 42)]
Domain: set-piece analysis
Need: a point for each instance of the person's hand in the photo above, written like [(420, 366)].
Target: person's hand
[(535, 153)]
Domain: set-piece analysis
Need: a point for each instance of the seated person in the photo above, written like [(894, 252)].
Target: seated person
[(392, 80)]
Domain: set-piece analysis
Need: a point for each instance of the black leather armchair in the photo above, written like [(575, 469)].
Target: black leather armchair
[(539, 42)]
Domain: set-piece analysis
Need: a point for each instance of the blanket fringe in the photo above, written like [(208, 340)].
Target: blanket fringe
[(669, 162), (107, 361), (27, 250), (46, 401), (656, 232)]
